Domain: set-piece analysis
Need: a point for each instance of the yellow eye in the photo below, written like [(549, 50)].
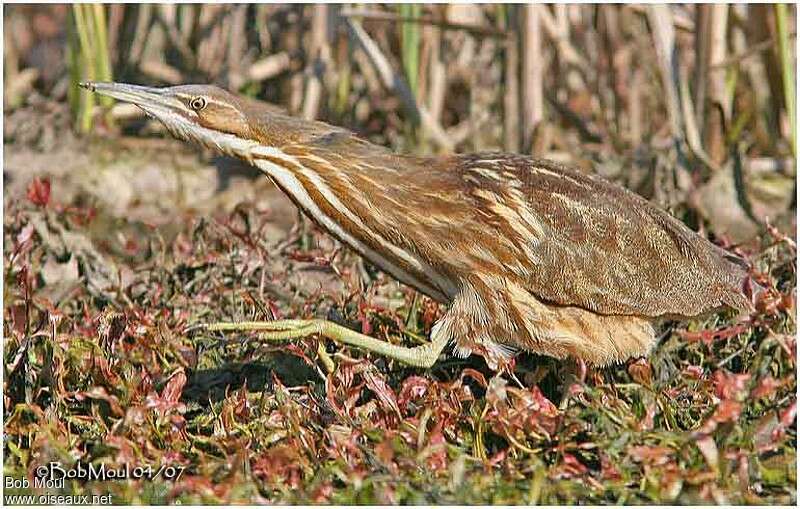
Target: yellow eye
[(197, 103)]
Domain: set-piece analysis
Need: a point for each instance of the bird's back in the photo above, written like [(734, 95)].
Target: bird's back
[(574, 239)]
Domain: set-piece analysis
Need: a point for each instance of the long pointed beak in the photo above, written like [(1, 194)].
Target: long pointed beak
[(147, 98)]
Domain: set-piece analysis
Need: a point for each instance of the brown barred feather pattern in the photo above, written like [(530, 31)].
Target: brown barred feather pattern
[(527, 253)]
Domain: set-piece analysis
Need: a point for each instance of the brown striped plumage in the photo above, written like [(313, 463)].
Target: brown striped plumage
[(527, 253)]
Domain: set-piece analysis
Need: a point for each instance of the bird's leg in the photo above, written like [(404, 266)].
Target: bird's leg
[(421, 356), (573, 375)]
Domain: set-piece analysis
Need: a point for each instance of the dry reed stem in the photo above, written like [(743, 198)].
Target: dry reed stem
[(393, 81), (425, 20), (319, 57), (663, 31), (532, 74), (719, 99)]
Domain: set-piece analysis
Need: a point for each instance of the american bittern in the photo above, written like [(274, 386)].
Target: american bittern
[(528, 253)]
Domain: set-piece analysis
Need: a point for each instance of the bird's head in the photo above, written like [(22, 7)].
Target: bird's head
[(223, 121), (204, 114)]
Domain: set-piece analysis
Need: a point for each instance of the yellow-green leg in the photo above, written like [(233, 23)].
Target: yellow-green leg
[(421, 356)]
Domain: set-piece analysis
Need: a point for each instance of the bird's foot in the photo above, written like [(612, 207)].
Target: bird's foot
[(277, 330), (422, 356)]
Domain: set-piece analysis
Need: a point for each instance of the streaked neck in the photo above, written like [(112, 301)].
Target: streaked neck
[(329, 186)]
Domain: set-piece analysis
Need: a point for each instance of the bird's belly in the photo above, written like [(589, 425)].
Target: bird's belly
[(401, 264)]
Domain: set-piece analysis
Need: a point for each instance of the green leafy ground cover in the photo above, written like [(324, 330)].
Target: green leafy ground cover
[(102, 366)]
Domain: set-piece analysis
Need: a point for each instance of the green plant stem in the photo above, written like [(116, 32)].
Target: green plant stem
[(86, 104)]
